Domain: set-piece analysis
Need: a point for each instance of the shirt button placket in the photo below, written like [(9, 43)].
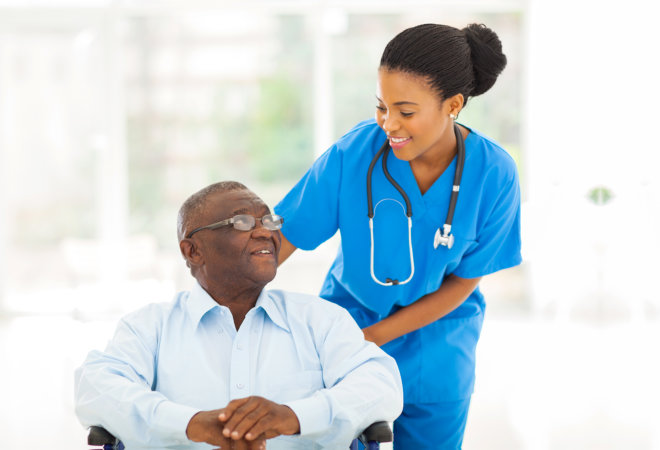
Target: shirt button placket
[(240, 364)]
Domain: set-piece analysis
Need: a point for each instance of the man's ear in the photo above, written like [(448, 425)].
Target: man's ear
[(191, 252)]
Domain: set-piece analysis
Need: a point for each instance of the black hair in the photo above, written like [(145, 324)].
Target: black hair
[(195, 203), (453, 61)]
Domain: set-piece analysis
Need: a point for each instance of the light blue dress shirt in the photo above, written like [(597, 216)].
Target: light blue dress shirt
[(168, 361)]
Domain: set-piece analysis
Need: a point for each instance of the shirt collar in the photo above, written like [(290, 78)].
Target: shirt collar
[(273, 309), (200, 303)]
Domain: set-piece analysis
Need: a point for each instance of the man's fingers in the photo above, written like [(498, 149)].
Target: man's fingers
[(279, 420), (258, 415), (264, 428), (245, 445), (247, 405), (240, 445), (258, 445), (232, 406), (256, 418)]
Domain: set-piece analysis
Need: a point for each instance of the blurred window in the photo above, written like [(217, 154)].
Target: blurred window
[(110, 119)]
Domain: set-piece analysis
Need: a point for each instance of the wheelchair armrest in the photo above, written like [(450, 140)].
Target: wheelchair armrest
[(100, 436), (378, 432)]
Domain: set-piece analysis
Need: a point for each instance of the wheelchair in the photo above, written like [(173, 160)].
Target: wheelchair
[(371, 437)]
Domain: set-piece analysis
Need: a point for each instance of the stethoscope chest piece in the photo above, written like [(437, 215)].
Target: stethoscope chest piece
[(444, 239)]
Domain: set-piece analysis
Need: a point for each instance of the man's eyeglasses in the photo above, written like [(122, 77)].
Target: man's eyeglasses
[(245, 222)]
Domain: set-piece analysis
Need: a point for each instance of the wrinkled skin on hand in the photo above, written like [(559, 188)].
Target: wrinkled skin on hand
[(244, 424)]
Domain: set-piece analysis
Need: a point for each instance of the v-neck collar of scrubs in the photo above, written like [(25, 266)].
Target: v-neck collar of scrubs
[(436, 193)]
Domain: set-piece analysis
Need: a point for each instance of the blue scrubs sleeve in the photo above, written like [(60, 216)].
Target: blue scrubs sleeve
[(499, 238), (310, 209)]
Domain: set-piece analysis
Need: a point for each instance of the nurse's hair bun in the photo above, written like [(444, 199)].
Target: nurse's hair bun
[(488, 60), (452, 61)]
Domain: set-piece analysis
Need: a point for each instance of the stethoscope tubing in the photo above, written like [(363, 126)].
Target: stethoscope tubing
[(446, 228), (458, 175), (388, 281)]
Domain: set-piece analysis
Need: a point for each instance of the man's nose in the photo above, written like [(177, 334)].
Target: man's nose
[(260, 230)]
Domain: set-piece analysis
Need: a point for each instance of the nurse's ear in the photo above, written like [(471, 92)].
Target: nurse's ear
[(453, 105)]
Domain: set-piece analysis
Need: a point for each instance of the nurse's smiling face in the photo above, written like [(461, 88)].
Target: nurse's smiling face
[(415, 118)]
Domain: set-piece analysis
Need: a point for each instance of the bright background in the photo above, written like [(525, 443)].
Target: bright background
[(113, 112)]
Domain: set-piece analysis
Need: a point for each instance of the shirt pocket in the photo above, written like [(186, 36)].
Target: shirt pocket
[(293, 386)]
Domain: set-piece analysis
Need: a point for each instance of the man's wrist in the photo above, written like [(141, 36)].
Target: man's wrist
[(292, 422), (313, 413), (194, 430)]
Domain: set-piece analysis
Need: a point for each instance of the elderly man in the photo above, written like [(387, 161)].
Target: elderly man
[(288, 367)]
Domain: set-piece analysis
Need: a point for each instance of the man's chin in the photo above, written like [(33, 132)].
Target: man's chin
[(264, 275)]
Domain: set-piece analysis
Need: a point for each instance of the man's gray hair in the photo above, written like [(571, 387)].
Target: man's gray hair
[(195, 203)]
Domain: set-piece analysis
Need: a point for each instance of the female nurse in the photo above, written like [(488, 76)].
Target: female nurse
[(419, 301)]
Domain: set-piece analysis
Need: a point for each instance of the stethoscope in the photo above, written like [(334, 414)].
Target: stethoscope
[(444, 237)]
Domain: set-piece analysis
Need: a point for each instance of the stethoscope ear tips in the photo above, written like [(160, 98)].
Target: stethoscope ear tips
[(446, 240)]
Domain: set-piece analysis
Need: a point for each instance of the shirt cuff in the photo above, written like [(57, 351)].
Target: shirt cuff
[(313, 413), (173, 419)]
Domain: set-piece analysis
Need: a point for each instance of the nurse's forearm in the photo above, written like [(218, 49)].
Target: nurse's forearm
[(285, 251), (427, 309)]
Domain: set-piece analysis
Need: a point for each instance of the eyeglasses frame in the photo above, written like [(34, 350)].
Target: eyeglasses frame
[(230, 221)]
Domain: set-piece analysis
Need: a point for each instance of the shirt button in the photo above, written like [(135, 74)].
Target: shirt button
[(239, 346), (240, 385)]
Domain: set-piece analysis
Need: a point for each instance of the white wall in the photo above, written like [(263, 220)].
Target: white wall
[(592, 99)]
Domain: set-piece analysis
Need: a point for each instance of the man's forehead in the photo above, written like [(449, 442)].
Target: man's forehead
[(236, 201)]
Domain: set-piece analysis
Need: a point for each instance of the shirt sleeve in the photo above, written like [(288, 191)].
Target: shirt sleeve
[(114, 389), (310, 209), (363, 384), (498, 239)]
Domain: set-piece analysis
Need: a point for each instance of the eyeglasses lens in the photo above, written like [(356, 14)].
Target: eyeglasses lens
[(244, 222), (272, 222)]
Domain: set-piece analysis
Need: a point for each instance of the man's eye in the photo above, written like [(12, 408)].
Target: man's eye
[(407, 114), (381, 108)]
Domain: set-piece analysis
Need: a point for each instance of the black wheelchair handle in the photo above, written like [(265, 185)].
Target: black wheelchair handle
[(378, 432), (100, 436)]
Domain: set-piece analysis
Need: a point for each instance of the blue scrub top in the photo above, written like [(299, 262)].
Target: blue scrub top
[(437, 361)]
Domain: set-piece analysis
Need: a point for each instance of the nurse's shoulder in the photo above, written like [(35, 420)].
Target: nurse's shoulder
[(489, 155), (365, 135)]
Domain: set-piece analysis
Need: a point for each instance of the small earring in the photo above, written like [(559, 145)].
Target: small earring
[(452, 116)]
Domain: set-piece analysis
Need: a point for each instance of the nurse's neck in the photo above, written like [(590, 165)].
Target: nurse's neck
[(428, 169)]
